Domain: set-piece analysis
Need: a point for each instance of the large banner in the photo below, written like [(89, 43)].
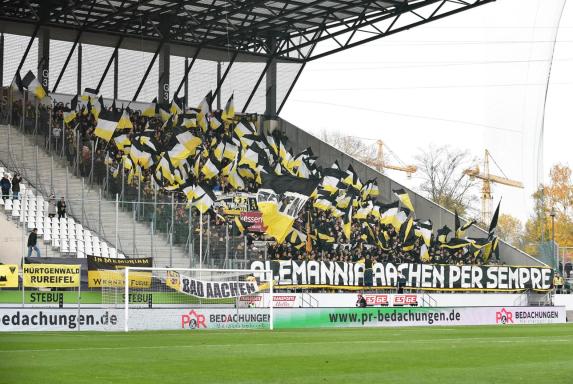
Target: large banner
[(196, 318), (107, 272), (352, 276), (9, 276), (210, 289), (237, 202), (51, 275), (407, 317)]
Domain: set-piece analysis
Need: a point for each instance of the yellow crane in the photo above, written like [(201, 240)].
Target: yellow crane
[(488, 179), (380, 164)]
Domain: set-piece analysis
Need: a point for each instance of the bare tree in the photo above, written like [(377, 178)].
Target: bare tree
[(350, 145), (442, 170)]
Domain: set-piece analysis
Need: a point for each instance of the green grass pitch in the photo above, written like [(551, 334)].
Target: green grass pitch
[(505, 354)]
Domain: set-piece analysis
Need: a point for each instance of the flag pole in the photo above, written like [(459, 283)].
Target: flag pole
[(308, 245), (10, 97), (200, 239)]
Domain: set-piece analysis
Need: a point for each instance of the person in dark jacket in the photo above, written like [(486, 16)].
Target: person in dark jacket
[(16, 180), (361, 301), (61, 208), (32, 241), (5, 185)]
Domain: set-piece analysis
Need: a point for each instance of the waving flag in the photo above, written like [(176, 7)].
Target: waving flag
[(187, 139), (33, 85), (404, 198), (70, 113), (493, 224), (280, 200), (205, 198), (106, 124), (124, 121), (229, 112)]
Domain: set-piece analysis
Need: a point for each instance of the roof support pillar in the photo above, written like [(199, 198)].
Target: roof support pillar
[(79, 77), (115, 74), (218, 88), (44, 57), (186, 85), (1, 59), (164, 66), (271, 84)]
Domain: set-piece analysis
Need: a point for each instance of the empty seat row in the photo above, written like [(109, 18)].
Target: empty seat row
[(64, 235)]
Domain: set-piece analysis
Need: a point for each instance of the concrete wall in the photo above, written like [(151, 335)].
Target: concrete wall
[(11, 238), (425, 208)]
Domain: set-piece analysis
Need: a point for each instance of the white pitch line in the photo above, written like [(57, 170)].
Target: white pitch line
[(519, 339)]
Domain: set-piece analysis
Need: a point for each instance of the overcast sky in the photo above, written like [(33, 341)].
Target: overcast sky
[(475, 80)]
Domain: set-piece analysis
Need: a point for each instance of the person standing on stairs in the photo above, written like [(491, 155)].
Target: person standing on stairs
[(16, 180), (52, 206), (5, 185), (32, 241), (61, 208)]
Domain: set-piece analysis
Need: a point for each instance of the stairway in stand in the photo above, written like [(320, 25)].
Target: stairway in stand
[(134, 238)]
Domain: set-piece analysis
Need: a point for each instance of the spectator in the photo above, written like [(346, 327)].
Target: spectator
[(56, 134), (401, 283), (32, 241), (52, 206), (61, 208), (16, 180), (5, 184), (361, 301), (368, 272), (558, 282)]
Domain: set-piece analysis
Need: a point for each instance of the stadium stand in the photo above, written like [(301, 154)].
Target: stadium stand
[(121, 163)]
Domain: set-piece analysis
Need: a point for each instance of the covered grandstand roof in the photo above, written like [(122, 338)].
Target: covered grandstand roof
[(288, 30)]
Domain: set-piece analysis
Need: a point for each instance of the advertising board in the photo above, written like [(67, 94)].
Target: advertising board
[(197, 318), (413, 316)]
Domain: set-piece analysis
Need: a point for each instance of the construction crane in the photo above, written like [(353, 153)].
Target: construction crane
[(488, 179), (380, 164)]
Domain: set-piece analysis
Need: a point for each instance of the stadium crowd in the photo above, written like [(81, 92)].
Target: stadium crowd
[(171, 150)]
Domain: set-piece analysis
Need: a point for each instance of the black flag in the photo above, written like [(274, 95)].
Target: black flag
[(493, 224)]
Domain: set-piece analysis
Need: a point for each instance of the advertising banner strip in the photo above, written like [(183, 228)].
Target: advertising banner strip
[(412, 316), (194, 318), (107, 272), (52, 275), (352, 276), (9, 276), (210, 289)]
